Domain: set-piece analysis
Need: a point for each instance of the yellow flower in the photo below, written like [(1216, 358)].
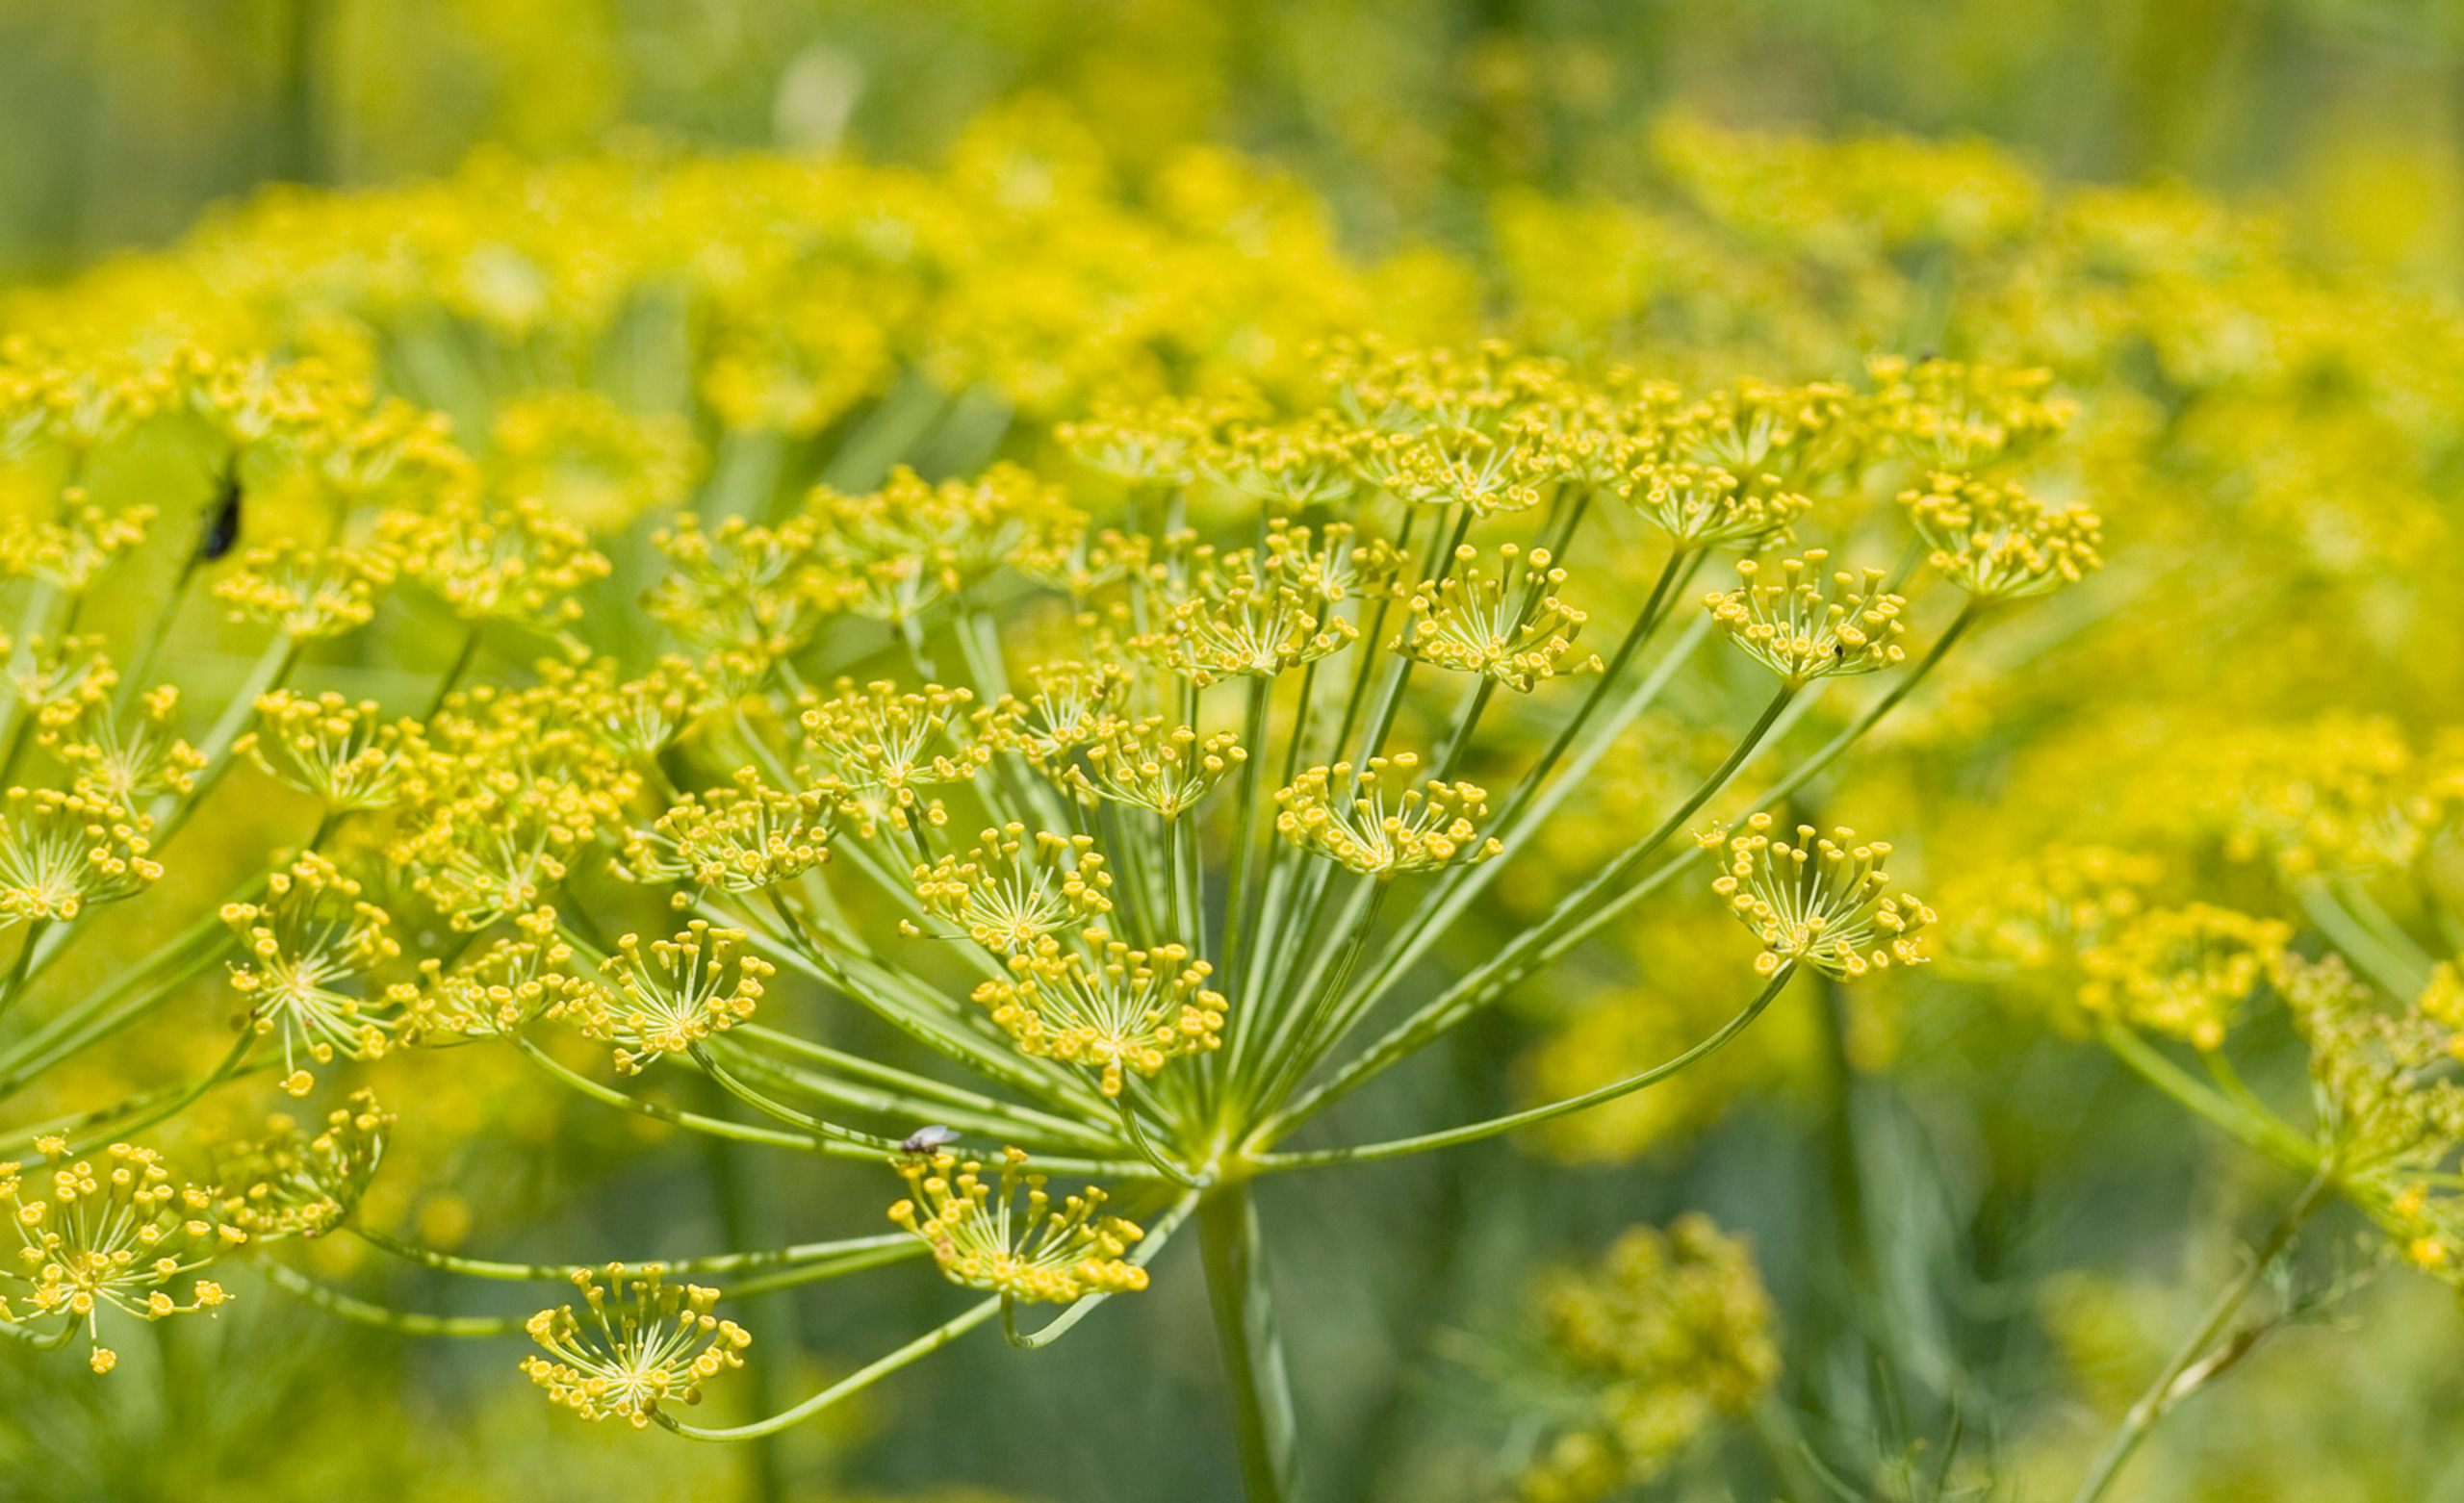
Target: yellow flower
[(2182, 971), (311, 943), (1669, 1333), (111, 1233), (1803, 631), (336, 750), (1363, 822), (1098, 1002), (1998, 542), (1155, 765), (1037, 1253), (1512, 628), (637, 1343), (288, 1183), (874, 749), (60, 852), (1007, 895), (746, 839), (687, 988), (1820, 902)]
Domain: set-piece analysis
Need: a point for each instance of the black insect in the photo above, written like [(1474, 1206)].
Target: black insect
[(224, 530), (928, 1139)]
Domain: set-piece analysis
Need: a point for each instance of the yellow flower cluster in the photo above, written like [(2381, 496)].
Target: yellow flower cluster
[(690, 987), (638, 1342), (110, 1233), (1188, 594), (2181, 971), (1099, 1004), (288, 1183), (1357, 818), (1822, 902), (1802, 631), (1037, 1252), (311, 942), (1669, 1333)]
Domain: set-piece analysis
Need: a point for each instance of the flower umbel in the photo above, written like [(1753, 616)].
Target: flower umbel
[(288, 1183), (637, 1343), (309, 942), (1006, 895), (338, 750), (1156, 765), (982, 1239), (2182, 971), (1820, 901), (741, 839), (1998, 542), (1361, 822), (113, 1232), (1671, 1332), (1106, 1006), (686, 989), (60, 852), (873, 747), (1511, 628), (1803, 631)]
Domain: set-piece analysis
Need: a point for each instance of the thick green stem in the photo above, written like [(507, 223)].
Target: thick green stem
[(2262, 1131), (1254, 1371)]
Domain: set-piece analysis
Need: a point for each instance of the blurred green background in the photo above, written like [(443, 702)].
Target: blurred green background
[(125, 117)]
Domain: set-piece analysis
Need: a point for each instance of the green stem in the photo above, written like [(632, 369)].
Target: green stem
[(1591, 907), (1147, 1149), (17, 969), (2170, 1387), (1305, 1031), (847, 1253), (1804, 772), (453, 671), (735, 1086), (922, 1088), (41, 1341), (1679, 567), (770, 1076), (369, 1314), (2402, 974), (1244, 812), (104, 1012), (815, 1272), (1494, 1127), (1263, 1419), (2263, 1134), (1523, 816), (677, 1116), (1564, 926), (862, 1378), (273, 664)]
